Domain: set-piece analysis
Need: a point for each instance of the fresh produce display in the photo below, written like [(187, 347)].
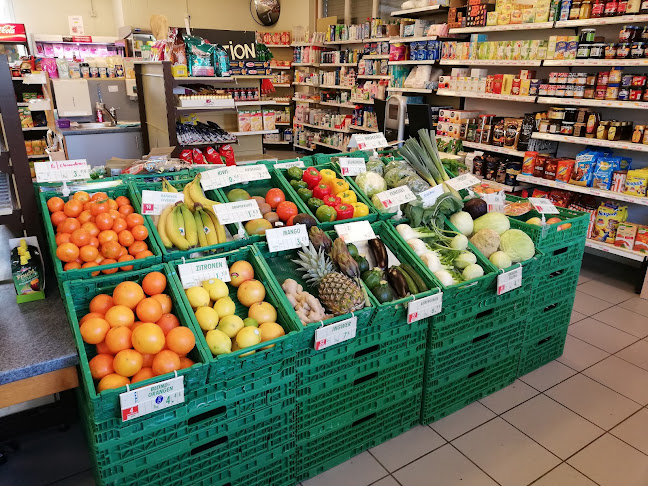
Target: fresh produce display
[(136, 334)]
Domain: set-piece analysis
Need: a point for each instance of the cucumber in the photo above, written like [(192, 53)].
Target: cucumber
[(420, 284), (413, 289)]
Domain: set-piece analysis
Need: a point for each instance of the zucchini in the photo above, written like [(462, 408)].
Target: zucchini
[(372, 278), (363, 264), (418, 281), (383, 292), (413, 289)]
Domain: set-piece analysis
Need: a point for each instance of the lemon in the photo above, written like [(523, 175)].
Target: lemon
[(230, 325), (250, 322), (235, 347), (207, 318), (218, 342), (217, 288), (225, 307), (198, 297), (248, 336)]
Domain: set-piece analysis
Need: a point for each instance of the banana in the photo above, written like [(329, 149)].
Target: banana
[(187, 196), (197, 194), (191, 232), (170, 187), (209, 228), (220, 229), (164, 185), (162, 226), (200, 229), (175, 229)]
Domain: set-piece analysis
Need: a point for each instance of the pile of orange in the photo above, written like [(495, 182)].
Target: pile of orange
[(136, 335), (93, 230)]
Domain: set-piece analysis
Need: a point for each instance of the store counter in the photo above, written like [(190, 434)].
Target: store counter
[(93, 143), (38, 356)]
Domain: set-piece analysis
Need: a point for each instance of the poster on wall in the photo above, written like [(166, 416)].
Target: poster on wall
[(239, 44), (76, 25)]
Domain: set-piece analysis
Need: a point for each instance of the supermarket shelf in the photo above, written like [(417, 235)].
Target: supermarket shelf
[(623, 19), (278, 45), (395, 40), (492, 148), (258, 132), (419, 12), (335, 86), (488, 96), (585, 190), (328, 146), (341, 130), (303, 147), (375, 57), (621, 145), (306, 44), (305, 64), (356, 41), (34, 129), (303, 84), (304, 101), (374, 76), (42, 156), (364, 129), (257, 103), (595, 62), (212, 79), (615, 250), (227, 107), (335, 103), (361, 102), (281, 68), (410, 90), (487, 62), (502, 28), (338, 64), (405, 63), (630, 105), (282, 124), (499, 186), (37, 105), (281, 85), (282, 142)]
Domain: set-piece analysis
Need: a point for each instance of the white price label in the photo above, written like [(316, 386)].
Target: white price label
[(287, 238), (288, 165), (154, 202), (236, 212), (396, 196), (463, 181), (508, 281), (430, 196), (335, 333), (217, 178), (195, 273), (62, 170), (152, 398), (544, 206), (357, 231), (248, 173), (427, 306), (371, 141), (352, 166), (494, 202)]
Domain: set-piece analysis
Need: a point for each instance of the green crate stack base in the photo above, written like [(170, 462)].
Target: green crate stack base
[(367, 430), (552, 286), (561, 256), (441, 397), (86, 273), (105, 406), (553, 316), (542, 350)]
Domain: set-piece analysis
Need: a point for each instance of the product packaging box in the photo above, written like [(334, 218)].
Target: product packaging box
[(641, 240), (626, 235)]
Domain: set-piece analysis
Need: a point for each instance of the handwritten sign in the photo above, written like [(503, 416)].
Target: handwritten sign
[(426, 307), (463, 181), (430, 196), (149, 399), (335, 333), (371, 141), (508, 281), (356, 231), (287, 238), (237, 212), (154, 202), (396, 196), (544, 206), (62, 170), (195, 273), (352, 166)]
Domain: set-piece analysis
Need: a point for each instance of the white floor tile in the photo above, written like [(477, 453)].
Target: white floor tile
[(580, 355), (576, 316), (405, 448), (634, 430), (553, 426), (593, 401), (388, 481), (610, 462), (582, 279), (623, 377), (588, 305), (360, 470), (624, 319), (601, 335), (507, 398), (505, 453), (636, 304), (636, 354), (445, 466), (605, 291), (462, 421), (548, 375), (564, 475)]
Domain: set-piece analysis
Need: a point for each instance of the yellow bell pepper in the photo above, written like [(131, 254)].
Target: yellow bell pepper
[(348, 197), (328, 176), (339, 185), (360, 210)]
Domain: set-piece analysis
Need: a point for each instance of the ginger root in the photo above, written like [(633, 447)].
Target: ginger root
[(307, 306)]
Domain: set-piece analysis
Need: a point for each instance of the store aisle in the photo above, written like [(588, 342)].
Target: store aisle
[(578, 421)]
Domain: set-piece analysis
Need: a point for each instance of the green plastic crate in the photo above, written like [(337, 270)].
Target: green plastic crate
[(105, 406), (443, 396), (325, 158), (542, 350), (550, 287), (550, 317), (561, 256), (157, 177), (116, 189), (233, 365)]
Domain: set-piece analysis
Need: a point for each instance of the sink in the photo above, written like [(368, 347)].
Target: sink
[(95, 125)]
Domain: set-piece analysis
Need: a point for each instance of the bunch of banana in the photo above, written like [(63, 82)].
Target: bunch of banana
[(166, 187)]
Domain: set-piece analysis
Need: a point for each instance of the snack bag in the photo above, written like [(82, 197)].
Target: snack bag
[(221, 62), (604, 172), (528, 163), (200, 56), (187, 156), (212, 156), (227, 154), (198, 157), (636, 182), (584, 168), (177, 53), (608, 217), (565, 170)]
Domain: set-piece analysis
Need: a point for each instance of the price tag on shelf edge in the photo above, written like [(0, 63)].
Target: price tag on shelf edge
[(544, 206), (510, 280), (396, 196), (154, 202), (195, 273), (371, 141), (430, 196), (62, 170), (237, 212), (495, 201), (427, 306), (352, 166), (335, 333), (217, 178), (288, 165), (356, 231), (287, 238), (463, 181), (149, 399), (249, 173)]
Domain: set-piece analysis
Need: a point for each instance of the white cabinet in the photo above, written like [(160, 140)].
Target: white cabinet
[(96, 148), (72, 97)]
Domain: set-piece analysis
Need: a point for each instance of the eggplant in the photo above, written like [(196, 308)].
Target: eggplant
[(379, 253), (476, 207), (305, 219), (397, 282)]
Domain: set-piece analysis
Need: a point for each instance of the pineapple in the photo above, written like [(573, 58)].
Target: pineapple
[(338, 293)]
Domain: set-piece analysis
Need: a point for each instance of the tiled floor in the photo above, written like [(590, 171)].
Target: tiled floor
[(581, 420)]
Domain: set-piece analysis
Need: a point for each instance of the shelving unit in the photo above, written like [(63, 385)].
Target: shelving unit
[(490, 96), (322, 144), (411, 62), (620, 145), (502, 28), (484, 62), (492, 148), (410, 90), (615, 250), (627, 105), (419, 12), (330, 129)]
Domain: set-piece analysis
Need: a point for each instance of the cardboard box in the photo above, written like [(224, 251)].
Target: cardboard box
[(641, 240), (626, 235)]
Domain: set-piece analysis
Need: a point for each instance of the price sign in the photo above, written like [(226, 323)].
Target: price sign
[(195, 273), (288, 165), (154, 202), (495, 202), (396, 196), (62, 170), (544, 206), (371, 141), (287, 238), (430, 196), (352, 166), (463, 181), (427, 306), (357, 231), (508, 281), (152, 398), (236, 212), (335, 333), (221, 177), (248, 173)]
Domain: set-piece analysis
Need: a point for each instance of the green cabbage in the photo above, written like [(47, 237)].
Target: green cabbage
[(500, 259), (394, 176), (517, 245), (495, 221), (415, 183), (376, 166), (371, 183), (396, 164)]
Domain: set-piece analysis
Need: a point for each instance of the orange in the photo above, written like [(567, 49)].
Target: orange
[(111, 381), (57, 218), (112, 205), (148, 338), (109, 261), (72, 266), (94, 242), (73, 208), (149, 310), (91, 264), (154, 283), (102, 348), (127, 362), (99, 207), (140, 233), (91, 228), (136, 325), (99, 259), (120, 315), (80, 237), (180, 340), (101, 303), (128, 294), (82, 196), (126, 238), (90, 315), (55, 204), (94, 330), (148, 360), (126, 209), (165, 302), (87, 206), (167, 322), (67, 252), (101, 365), (68, 226), (123, 251), (143, 374), (119, 225), (84, 217), (134, 219), (186, 362), (99, 196), (62, 238), (143, 254), (110, 249), (122, 201), (106, 235), (137, 247), (104, 221), (114, 214), (118, 339), (88, 253), (126, 258), (165, 362)]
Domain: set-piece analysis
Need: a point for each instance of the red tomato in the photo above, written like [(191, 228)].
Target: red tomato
[(274, 197), (286, 209)]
